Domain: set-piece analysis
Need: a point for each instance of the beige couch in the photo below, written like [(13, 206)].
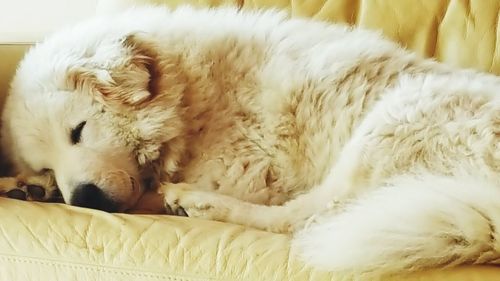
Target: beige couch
[(59, 242)]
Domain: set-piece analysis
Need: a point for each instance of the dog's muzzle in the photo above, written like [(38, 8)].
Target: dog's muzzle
[(91, 196)]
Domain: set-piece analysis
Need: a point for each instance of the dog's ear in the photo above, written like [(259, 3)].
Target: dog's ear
[(129, 80)]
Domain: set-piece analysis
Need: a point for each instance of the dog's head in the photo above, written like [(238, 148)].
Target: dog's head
[(95, 113)]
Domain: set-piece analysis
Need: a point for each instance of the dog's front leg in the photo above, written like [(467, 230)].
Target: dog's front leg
[(214, 206)]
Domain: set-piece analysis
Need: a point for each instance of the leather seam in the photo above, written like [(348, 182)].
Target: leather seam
[(100, 268)]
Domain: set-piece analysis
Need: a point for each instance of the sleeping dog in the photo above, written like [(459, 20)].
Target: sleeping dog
[(377, 160)]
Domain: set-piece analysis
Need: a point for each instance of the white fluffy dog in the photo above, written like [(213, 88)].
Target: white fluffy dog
[(377, 160)]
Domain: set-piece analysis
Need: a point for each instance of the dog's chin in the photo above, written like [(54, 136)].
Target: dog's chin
[(150, 202)]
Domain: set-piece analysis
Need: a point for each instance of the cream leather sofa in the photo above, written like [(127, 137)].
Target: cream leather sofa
[(59, 242)]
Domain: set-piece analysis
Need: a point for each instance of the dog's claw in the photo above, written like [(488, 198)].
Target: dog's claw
[(175, 211), (181, 212), (168, 210)]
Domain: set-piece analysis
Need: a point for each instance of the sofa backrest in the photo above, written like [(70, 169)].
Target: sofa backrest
[(464, 33)]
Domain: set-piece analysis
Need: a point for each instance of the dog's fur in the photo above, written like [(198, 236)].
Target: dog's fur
[(379, 161)]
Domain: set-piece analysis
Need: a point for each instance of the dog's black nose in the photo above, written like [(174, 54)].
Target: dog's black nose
[(91, 196)]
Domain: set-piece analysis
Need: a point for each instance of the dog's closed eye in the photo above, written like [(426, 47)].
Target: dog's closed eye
[(76, 133)]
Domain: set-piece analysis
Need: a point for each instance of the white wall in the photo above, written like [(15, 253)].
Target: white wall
[(24, 21)]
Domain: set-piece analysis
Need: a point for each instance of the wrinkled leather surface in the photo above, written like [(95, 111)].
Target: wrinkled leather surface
[(69, 243), (58, 242)]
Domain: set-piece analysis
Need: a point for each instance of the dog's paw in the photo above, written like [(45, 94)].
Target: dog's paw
[(181, 200), (40, 188), (37, 188), (171, 194), (12, 188)]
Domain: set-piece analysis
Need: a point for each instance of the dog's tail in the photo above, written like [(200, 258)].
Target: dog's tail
[(412, 224)]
